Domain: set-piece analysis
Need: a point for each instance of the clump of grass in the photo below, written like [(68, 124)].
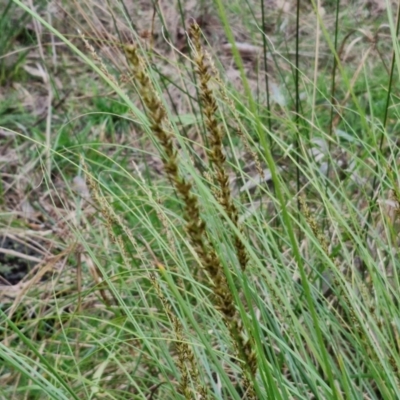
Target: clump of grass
[(245, 326)]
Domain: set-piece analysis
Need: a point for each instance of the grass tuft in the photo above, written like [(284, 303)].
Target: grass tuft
[(199, 200)]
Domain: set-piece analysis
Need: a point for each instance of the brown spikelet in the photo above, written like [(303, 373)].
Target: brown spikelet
[(216, 154), (112, 220), (313, 225), (224, 197), (96, 58), (186, 358), (228, 101), (195, 225)]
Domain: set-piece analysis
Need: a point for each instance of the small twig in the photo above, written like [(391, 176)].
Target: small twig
[(153, 390)]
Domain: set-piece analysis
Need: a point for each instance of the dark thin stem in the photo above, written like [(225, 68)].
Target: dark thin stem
[(193, 73), (264, 28), (333, 93), (297, 84)]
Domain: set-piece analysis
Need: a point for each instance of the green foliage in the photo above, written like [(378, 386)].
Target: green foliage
[(13, 26), (174, 282)]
